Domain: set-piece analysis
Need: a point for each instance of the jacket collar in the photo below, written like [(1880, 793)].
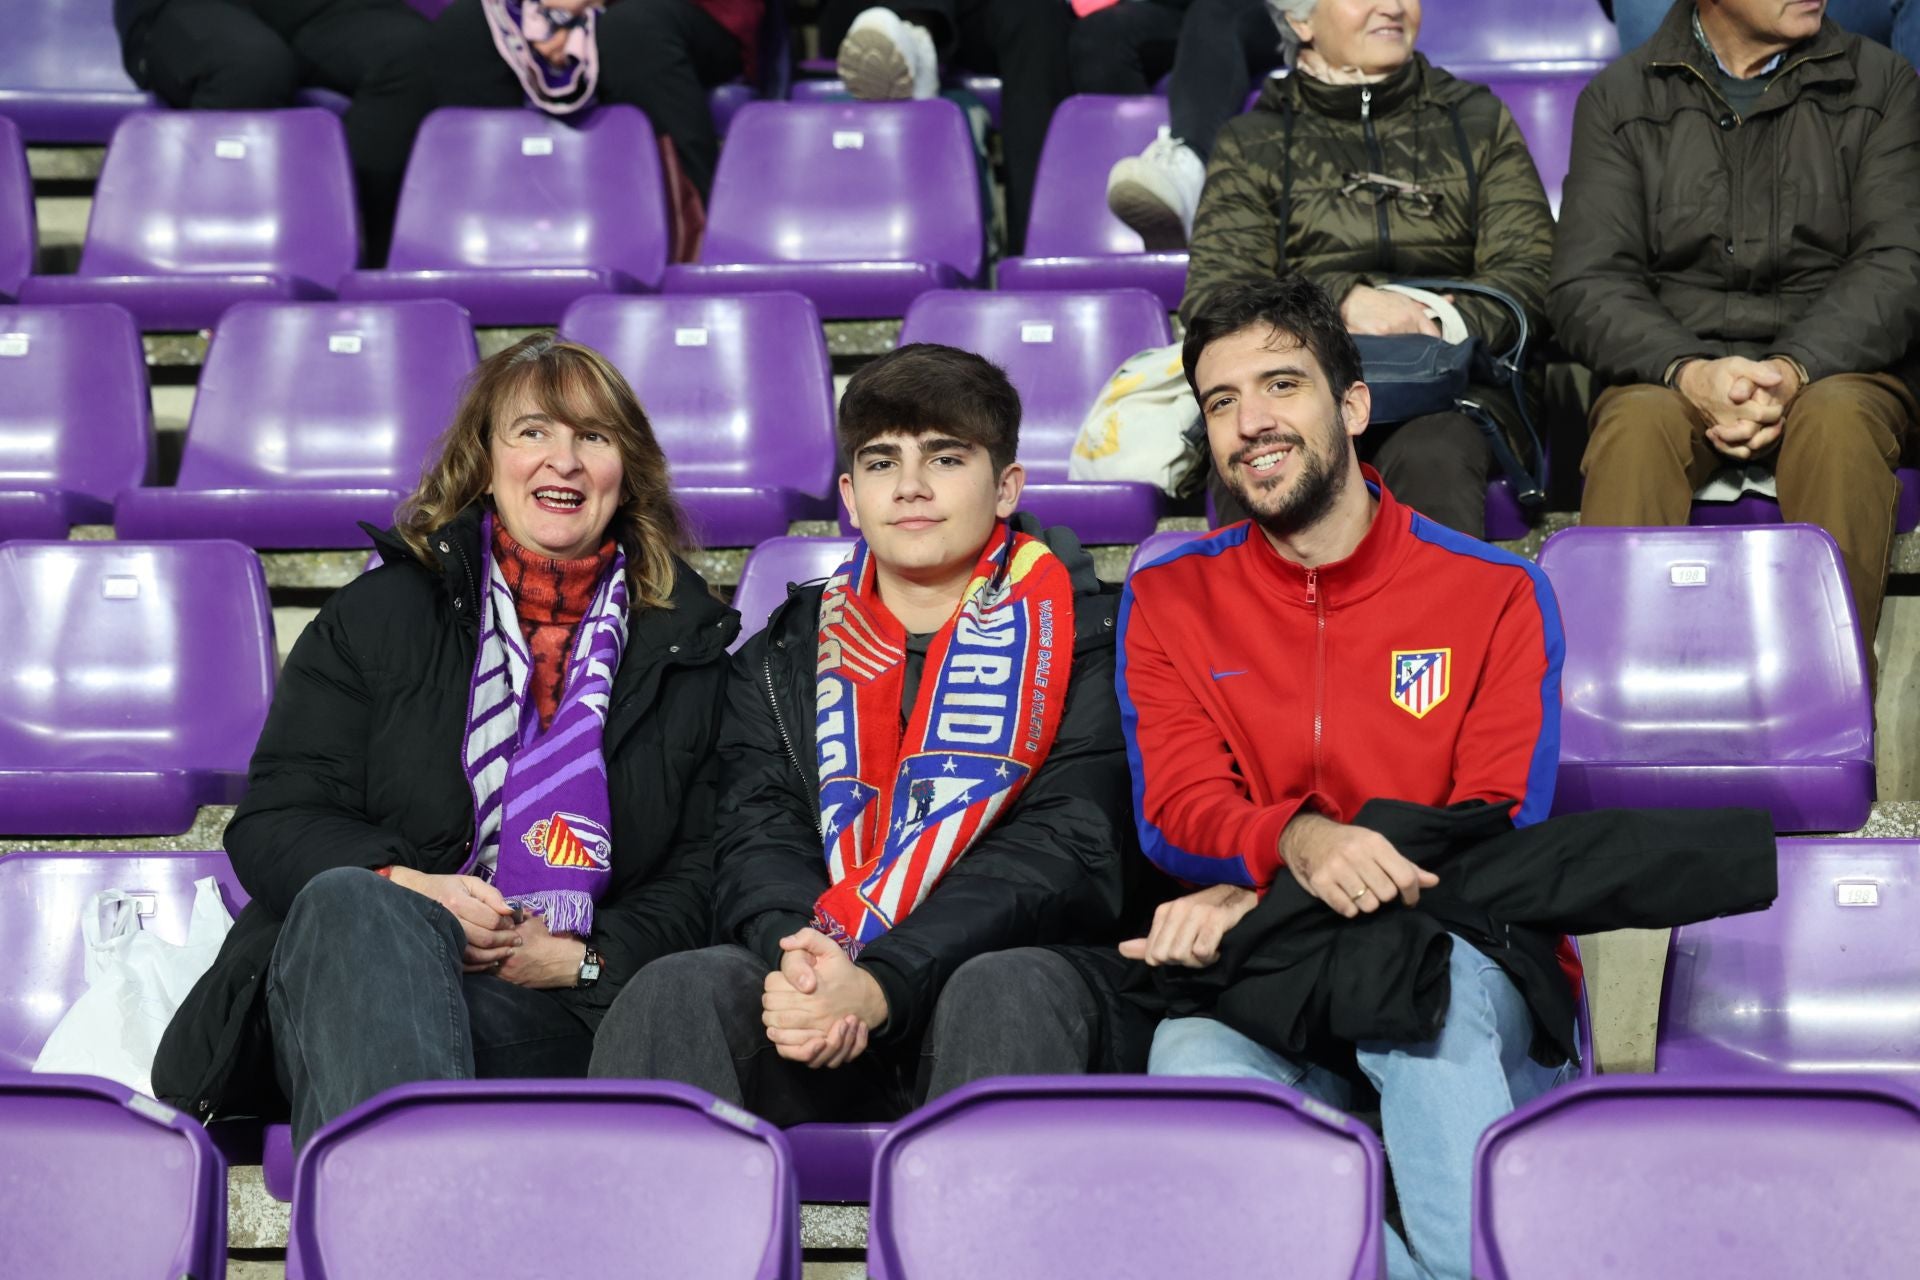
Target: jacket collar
[(1342, 101), (1342, 582), (1673, 50)]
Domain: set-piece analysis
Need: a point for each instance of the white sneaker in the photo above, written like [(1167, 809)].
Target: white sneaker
[(885, 58), (1157, 191)]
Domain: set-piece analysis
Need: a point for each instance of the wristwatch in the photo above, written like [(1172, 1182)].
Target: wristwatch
[(589, 969)]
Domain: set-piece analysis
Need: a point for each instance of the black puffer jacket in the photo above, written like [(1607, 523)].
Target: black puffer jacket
[(359, 766), (1062, 866)]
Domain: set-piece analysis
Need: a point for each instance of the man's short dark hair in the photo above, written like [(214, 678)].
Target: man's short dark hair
[(1293, 305), (925, 388)]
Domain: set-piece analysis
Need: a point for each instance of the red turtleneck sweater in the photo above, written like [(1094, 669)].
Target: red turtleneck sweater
[(550, 596)]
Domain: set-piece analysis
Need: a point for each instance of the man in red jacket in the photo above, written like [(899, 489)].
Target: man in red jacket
[(1279, 673)]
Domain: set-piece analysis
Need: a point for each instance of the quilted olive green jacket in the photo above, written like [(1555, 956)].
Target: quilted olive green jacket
[(1487, 221)]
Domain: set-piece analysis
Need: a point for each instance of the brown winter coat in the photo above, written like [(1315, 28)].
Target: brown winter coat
[(1795, 231)]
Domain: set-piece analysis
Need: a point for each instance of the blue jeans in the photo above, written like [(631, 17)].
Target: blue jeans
[(1890, 22), (1435, 1100)]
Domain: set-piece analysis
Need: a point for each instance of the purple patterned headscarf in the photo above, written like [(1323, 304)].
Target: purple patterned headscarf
[(542, 817), (561, 90)]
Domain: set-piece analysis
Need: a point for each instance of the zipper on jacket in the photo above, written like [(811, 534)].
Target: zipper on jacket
[(1378, 163), (1319, 668), (786, 739)]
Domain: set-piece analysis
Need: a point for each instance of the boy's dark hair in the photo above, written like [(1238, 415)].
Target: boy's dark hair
[(924, 388), (1295, 306)]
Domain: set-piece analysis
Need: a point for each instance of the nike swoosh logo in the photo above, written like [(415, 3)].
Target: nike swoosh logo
[(1222, 675)]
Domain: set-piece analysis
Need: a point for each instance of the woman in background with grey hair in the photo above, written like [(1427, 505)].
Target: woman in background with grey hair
[(1367, 165)]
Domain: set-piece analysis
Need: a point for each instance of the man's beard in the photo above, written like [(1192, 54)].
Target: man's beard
[(1322, 474)]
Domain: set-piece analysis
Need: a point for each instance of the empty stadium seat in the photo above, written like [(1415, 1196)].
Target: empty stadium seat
[(19, 236), (1826, 979), (198, 210), (833, 1163), (61, 78), (1670, 1178), (1502, 36), (1712, 667), (514, 214), (1126, 1176), (310, 417), (136, 680), (689, 1186), (828, 87), (76, 420), (1757, 508), (1542, 105), (102, 1181), (1059, 350), (740, 394), (862, 206), (773, 566), (1073, 239)]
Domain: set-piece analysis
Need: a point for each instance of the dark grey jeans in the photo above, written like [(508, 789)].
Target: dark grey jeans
[(365, 992), (695, 1018)]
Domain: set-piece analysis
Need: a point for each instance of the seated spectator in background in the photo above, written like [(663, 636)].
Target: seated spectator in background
[(482, 798), (1739, 263), (924, 839), (252, 55), (1339, 649), (1890, 22), (662, 56), (1215, 49), (1366, 165), (894, 51)]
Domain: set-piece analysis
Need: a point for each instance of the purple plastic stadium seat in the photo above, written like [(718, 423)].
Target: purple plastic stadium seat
[(1073, 239), (833, 1163), (862, 206), (136, 681), (1542, 105), (1827, 979), (19, 235), (60, 74), (1059, 350), (725, 101), (514, 214), (1671, 1178), (1712, 667), (76, 423), (773, 566), (1756, 508), (311, 417), (198, 210), (1125, 1176), (1523, 35), (102, 1181), (705, 1189), (740, 394)]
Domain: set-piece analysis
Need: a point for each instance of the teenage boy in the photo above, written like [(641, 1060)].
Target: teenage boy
[(926, 827)]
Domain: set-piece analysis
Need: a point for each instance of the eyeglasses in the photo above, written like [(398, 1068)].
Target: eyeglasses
[(1411, 196)]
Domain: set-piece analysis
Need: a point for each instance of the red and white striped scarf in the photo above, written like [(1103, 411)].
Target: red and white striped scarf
[(897, 809)]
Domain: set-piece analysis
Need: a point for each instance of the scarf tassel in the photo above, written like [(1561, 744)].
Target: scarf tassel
[(565, 910)]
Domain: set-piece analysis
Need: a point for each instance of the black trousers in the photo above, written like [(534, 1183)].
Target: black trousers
[(695, 1018), (661, 56), (1215, 49), (1024, 42), (251, 55), (1438, 465), (365, 992)]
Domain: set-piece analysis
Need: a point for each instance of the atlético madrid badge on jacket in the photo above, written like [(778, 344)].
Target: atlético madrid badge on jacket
[(1421, 679)]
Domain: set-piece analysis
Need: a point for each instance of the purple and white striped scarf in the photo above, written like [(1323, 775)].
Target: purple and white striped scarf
[(561, 90), (542, 817)]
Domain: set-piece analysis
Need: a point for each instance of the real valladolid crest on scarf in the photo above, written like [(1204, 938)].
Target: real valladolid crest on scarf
[(542, 815), (897, 809)]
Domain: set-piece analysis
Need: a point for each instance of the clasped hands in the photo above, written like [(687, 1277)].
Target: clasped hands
[(1744, 400), (525, 954), (819, 1007)]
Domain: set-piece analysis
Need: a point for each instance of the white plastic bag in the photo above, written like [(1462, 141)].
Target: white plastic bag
[(1144, 426), (135, 983)]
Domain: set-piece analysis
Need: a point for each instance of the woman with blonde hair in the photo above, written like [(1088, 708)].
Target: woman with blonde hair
[(482, 798)]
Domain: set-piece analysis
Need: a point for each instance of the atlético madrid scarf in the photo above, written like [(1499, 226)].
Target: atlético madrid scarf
[(542, 817), (897, 809)]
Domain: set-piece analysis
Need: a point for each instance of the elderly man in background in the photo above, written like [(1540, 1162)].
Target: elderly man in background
[(1739, 263)]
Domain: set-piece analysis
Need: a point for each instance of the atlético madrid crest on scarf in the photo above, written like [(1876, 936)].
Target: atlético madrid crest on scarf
[(1421, 679)]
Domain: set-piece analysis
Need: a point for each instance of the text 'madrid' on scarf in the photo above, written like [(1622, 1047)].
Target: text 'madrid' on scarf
[(897, 809), (542, 816)]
